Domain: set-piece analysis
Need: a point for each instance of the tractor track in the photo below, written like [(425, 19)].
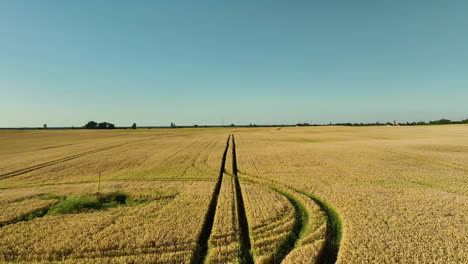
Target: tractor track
[(54, 162), (245, 244), (64, 159), (333, 234), (329, 253), (301, 219), (201, 250)]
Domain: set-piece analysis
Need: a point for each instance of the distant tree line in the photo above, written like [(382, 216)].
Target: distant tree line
[(107, 125), (420, 123), (95, 125), (103, 125)]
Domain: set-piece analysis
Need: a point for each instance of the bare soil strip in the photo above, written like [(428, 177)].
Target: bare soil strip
[(201, 250), (246, 255)]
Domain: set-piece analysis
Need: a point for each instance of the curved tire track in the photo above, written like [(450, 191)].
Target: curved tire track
[(301, 220), (329, 254)]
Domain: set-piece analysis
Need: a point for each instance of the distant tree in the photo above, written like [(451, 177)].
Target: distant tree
[(195, 125), (302, 124), (440, 122), (44, 126), (91, 125), (102, 125), (232, 125), (173, 125), (464, 121), (134, 126)]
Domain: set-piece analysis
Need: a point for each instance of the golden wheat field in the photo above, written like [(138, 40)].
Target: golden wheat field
[(235, 195)]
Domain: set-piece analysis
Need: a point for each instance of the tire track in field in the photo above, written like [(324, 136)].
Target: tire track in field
[(300, 219), (245, 245), (201, 250), (64, 159), (54, 162), (329, 253)]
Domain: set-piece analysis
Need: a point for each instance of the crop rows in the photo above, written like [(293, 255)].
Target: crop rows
[(288, 228), (147, 229), (186, 214), (152, 157), (271, 218)]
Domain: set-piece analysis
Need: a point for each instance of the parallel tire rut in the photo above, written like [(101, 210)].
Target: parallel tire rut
[(246, 256), (201, 250)]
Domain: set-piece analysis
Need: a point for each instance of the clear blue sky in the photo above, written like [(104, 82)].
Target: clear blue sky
[(200, 62)]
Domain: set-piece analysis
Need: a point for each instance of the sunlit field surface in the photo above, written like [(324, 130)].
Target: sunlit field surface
[(265, 195)]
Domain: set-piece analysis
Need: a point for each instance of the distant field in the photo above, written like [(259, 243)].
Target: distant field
[(235, 195)]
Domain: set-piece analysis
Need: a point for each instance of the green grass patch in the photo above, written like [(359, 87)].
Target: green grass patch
[(74, 205), (53, 197), (101, 202)]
